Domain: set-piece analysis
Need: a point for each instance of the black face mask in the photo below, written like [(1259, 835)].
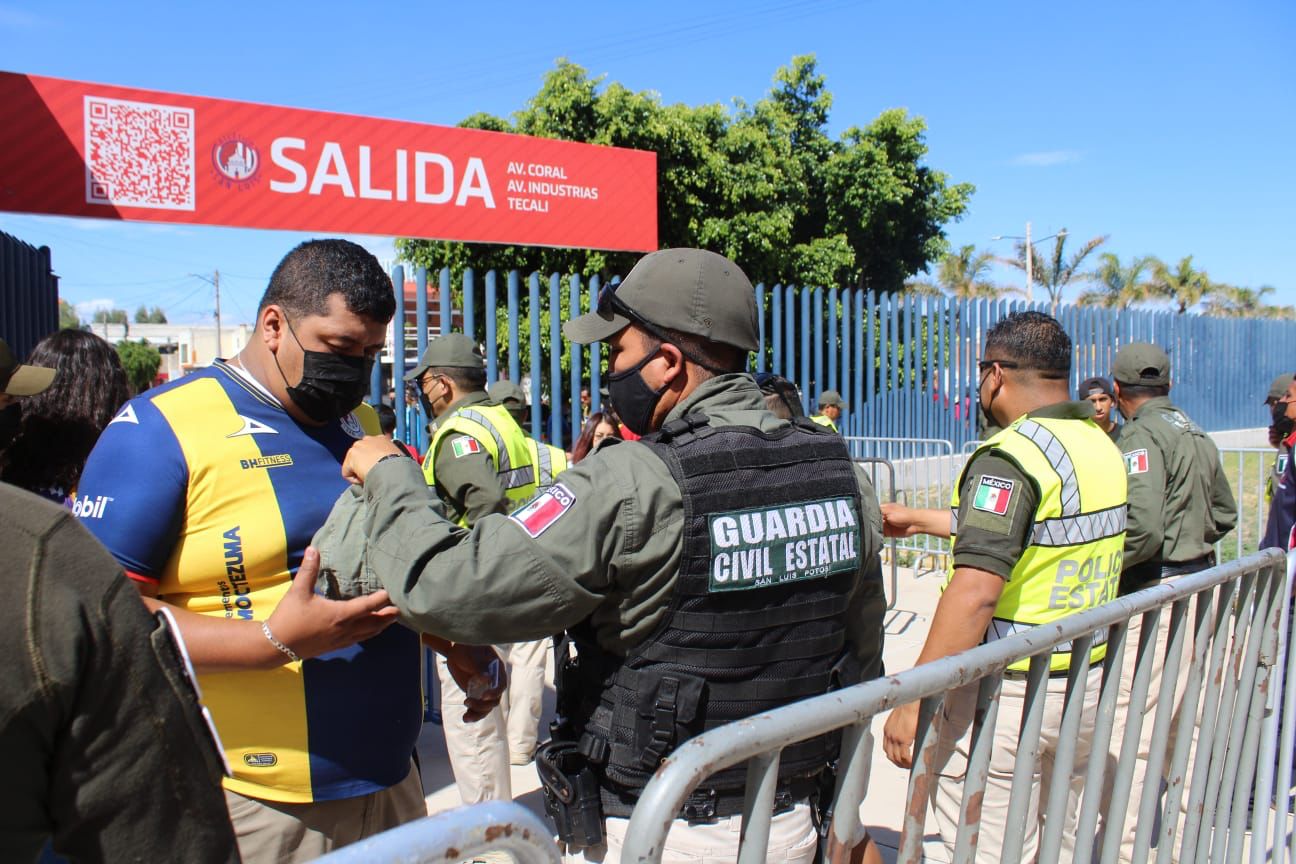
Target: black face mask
[(632, 398), (10, 422), (331, 386), (987, 417), (1282, 425)]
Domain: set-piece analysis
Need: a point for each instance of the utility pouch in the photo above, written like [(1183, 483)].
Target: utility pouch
[(668, 713), (571, 793)]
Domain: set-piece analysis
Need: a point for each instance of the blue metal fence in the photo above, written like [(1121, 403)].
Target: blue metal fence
[(905, 363)]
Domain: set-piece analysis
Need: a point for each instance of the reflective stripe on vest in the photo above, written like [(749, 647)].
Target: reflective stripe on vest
[(501, 438), (824, 421), (550, 461), (1073, 560)]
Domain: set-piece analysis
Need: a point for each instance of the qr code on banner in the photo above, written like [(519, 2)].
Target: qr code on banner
[(139, 154)]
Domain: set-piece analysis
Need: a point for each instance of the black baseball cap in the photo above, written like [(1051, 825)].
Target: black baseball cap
[(1098, 384)]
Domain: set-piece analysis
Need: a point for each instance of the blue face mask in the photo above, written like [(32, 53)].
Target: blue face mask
[(632, 399)]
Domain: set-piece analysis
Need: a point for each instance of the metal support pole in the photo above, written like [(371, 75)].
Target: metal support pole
[(758, 808)]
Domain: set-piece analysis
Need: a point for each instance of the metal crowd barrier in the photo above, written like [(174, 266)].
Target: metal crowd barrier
[(456, 835), (923, 474), (871, 465), (1232, 635), (1247, 470)]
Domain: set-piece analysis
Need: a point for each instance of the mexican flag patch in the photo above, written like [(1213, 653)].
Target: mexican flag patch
[(1136, 461), (465, 444), (993, 494), (544, 510)]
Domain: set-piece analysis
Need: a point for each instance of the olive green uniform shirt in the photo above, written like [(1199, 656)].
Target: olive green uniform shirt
[(1180, 502), (992, 542), (612, 556), (469, 484)]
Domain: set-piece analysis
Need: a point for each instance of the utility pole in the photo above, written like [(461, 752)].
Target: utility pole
[(215, 283), (1030, 264)]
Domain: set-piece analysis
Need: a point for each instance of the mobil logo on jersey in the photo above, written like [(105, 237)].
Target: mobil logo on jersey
[(86, 507)]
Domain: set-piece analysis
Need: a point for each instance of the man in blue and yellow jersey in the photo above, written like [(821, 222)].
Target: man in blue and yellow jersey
[(1039, 532), (208, 491), (479, 463)]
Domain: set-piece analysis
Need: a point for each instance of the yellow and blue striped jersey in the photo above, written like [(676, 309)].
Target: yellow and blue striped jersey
[(209, 489)]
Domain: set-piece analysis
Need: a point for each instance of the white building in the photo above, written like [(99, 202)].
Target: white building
[(184, 347)]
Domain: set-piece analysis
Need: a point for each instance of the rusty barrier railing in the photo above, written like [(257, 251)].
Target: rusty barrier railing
[(458, 835), (1226, 621)]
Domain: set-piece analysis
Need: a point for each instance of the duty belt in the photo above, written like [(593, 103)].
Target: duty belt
[(706, 804), (1150, 573)]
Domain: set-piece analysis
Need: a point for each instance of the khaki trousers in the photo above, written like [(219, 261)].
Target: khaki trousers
[(792, 840), (524, 700), (269, 832), (953, 731), (478, 751), (1123, 709)]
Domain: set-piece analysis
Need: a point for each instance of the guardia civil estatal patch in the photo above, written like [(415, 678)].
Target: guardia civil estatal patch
[(773, 545), (1136, 461), (465, 445), (993, 494)]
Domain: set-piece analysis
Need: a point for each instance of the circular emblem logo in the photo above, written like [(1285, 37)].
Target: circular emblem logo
[(351, 426), (236, 159)]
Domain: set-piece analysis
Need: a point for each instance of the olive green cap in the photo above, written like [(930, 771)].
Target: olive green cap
[(690, 291), (507, 393), (1278, 389), (831, 397), (17, 379), (1141, 363), (452, 349)]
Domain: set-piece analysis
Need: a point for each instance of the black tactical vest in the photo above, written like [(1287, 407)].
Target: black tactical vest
[(771, 551)]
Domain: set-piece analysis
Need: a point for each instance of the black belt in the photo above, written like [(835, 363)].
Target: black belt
[(1023, 674), (707, 804), (1150, 573)]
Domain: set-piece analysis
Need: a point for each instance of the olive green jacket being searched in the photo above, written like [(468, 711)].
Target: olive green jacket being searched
[(612, 555), (1180, 502)]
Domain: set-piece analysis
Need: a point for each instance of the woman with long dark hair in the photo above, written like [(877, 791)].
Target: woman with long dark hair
[(60, 426), (596, 428)]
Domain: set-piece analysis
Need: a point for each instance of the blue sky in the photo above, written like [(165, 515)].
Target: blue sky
[(1170, 126)]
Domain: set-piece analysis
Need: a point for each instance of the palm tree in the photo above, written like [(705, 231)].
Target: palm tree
[(1055, 271), (1119, 285), (1234, 301), (963, 274), (1184, 285)]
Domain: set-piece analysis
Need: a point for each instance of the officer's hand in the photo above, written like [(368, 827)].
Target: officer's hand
[(480, 673), (899, 733), (364, 454), (899, 520), (311, 624)]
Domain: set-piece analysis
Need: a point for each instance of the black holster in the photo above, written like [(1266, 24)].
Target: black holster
[(571, 793)]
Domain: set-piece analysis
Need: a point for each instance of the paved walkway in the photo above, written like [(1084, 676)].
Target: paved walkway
[(883, 810)]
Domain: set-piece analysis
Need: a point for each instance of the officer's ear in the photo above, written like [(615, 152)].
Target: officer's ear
[(674, 373)]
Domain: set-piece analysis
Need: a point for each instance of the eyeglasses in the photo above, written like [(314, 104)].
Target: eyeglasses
[(985, 365)]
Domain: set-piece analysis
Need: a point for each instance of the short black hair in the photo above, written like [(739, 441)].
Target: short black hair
[(709, 358), (1033, 340), (310, 273), (464, 377), (1143, 391), (386, 418)]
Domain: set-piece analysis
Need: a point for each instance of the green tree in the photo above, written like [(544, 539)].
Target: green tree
[(1119, 285), (141, 314), (1233, 301), (68, 317), (157, 316), (1055, 271), (1184, 285), (110, 316), (964, 274), (141, 361)]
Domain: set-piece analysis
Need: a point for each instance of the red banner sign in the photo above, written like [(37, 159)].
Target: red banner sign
[(74, 149)]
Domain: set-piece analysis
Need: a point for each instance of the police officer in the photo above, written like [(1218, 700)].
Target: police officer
[(549, 461), (831, 407), (523, 701), (1098, 392), (769, 592), (1180, 504), (479, 463), (1280, 428), (1039, 530), (1282, 480)]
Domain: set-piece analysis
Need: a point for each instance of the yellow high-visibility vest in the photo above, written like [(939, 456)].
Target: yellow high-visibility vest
[(503, 440), (1073, 560)]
